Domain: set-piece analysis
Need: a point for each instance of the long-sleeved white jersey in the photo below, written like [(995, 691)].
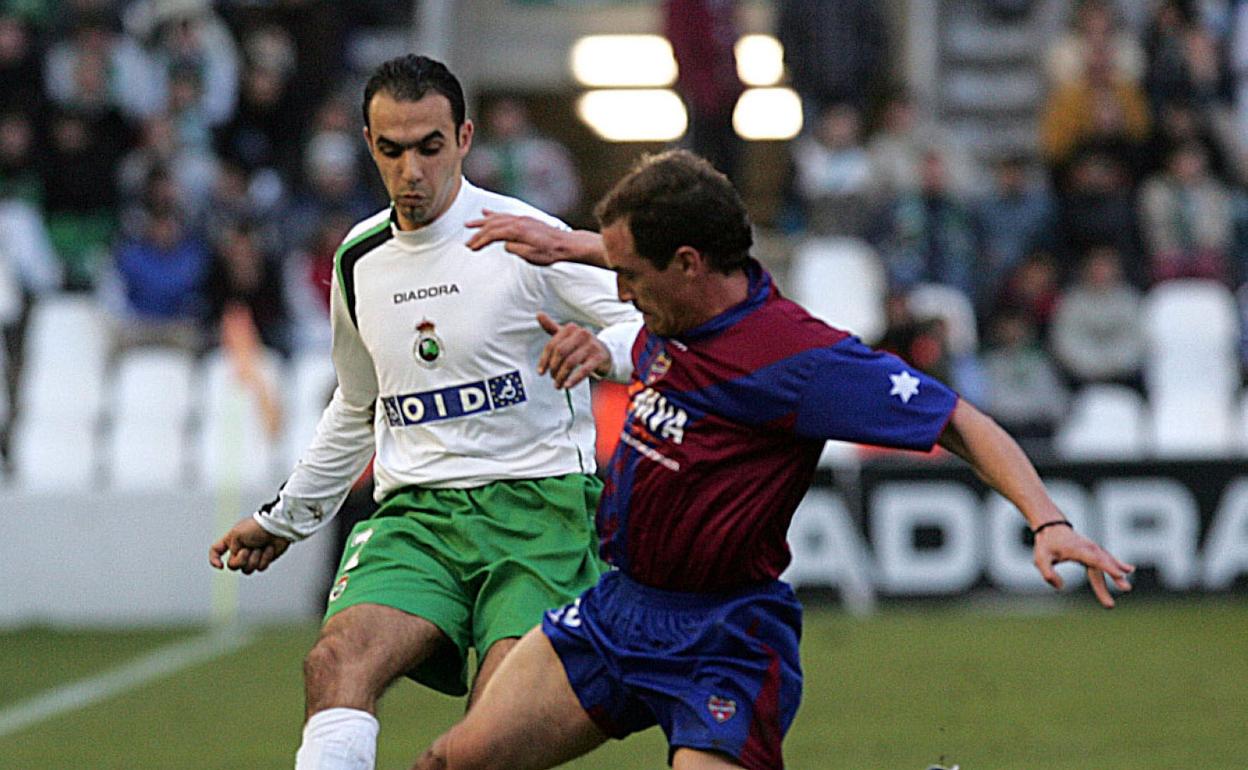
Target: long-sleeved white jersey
[(435, 348)]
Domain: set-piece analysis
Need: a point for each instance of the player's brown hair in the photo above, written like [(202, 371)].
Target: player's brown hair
[(676, 199)]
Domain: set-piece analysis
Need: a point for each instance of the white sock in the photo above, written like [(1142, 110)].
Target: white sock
[(339, 739)]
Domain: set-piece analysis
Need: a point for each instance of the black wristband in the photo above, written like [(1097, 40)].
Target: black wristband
[(1055, 523)]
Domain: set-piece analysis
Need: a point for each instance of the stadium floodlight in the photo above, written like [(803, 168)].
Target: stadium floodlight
[(634, 115), (768, 113), (760, 60), (623, 61)]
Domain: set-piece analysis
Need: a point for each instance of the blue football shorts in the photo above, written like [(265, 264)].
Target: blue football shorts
[(718, 672)]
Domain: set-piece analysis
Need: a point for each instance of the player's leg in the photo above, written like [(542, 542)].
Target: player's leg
[(489, 664), (527, 718), (396, 608), (359, 653), (693, 759)]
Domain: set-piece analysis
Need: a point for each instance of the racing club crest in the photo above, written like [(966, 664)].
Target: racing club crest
[(722, 709), (428, 346)]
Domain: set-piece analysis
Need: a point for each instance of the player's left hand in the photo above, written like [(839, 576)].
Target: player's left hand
[(572, 354), (1058, 544), (533, 241), (250, 548)]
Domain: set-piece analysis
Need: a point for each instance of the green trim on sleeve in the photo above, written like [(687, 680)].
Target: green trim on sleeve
[(353, 251)]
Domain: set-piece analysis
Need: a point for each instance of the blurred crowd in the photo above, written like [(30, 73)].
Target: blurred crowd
[(1137, 178), (189, 161), (186, 162)]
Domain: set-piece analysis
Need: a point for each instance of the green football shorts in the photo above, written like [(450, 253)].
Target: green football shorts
[(481, 564)]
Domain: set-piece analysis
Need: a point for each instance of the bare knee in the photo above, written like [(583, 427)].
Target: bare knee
[(434, 757), (467, 755), (335, 674)]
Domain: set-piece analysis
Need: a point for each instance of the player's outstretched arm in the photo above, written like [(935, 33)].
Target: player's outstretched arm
[(250, 548), (535, 241), (1002, 464)]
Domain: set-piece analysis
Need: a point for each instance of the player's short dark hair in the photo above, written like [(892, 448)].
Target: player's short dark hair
[(409, 78), (676, 199)]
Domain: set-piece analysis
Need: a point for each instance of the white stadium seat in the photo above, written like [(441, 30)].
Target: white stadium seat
[(1192, 328), (1106, 422), (234, 449), (841, 282), (1192, 370), (54, 440), (151, 402), (935, 300), (1193, 425)]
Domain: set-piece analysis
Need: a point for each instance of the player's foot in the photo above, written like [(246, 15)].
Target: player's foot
[(942, 767)]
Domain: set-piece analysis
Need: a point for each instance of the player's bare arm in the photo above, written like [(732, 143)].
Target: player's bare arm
[(250, 548), (1002, 464), (535, 241), (572, 354)]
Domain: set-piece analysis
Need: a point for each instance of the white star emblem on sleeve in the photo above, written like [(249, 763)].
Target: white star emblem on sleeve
[(905, 385)]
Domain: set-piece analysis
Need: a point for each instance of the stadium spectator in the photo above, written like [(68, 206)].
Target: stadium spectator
[(1032, 289), (930, 235), (1024, 390), (1097, 334), (332, 173), (21, 66), (1238, 56), (1097, 206), (1187, 220), (513, 158), (95, 42), (1180, 121), (1094, 25), (20, 174), (187, 36), (898, 149), (703, 34), (192, 169), (263, 132), (156, 290), (834, 52), (693, 631), (79, 182), (486, 514), (835, 178), (1183, 60), (1017, 217), (1102, 96), (244, 273), (1108, 132)]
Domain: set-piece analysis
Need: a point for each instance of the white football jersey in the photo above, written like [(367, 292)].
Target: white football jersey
[(436, 349)]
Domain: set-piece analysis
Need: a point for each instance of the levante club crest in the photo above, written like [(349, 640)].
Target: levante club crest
[(428, 347), (722, 709)]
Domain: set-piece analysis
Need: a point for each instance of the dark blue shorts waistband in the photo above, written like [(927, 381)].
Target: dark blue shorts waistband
[(691, 600)]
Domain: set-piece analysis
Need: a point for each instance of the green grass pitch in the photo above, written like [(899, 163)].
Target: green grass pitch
[(1063, 685)]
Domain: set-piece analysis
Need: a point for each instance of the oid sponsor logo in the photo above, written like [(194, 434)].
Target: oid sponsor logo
[(455, 401)]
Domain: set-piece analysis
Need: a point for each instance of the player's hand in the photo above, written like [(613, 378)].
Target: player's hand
[(572, 354), (1058, 544), (250, 548), (530, 239)]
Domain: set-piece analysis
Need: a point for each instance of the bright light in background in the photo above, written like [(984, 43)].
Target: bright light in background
[(641, 115), (768, 113), (623, 60), (760, 60)]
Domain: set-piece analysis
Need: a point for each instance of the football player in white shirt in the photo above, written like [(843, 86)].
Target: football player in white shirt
[(484, 466)]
